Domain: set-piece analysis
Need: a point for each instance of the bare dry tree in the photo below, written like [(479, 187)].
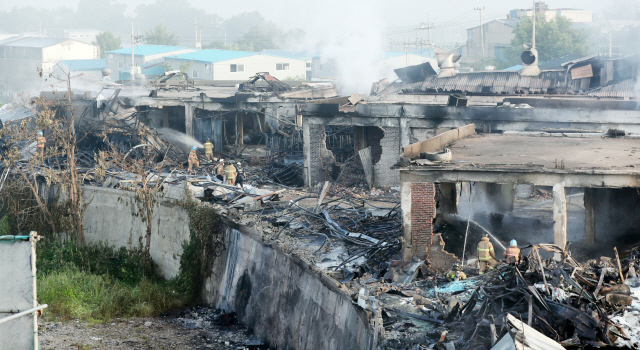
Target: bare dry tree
[(144, 162), (58, 165)]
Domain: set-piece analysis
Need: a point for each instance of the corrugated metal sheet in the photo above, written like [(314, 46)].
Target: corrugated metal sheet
[(622, 89), (556, 81), (488, 82)]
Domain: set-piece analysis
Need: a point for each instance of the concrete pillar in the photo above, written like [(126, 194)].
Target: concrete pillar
[(448, 198), (405, 206), (188, 119), (306, 151), (589, 216), (405, 133), (165, 117), (559, 216), (239, 128)]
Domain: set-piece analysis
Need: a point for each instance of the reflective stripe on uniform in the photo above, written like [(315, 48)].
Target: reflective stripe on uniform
[(485, 258)]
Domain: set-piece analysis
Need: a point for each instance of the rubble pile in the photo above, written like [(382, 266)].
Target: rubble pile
[(552, 303)]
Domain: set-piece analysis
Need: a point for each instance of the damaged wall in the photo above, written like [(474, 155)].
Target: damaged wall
[(276, 295), (314, 147), (418, 203), (384, 176), (385, 152), (281, 298)]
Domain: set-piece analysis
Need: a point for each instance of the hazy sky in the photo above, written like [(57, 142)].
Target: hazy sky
[(394, 13)]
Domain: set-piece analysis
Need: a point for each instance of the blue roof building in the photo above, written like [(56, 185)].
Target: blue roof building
[(229, 65), (119, 61), (212, 55)]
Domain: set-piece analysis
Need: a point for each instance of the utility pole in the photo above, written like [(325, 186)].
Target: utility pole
[(533, 39), (481, 30), (133, 43), (198, 43), (429, 25), (135, 39)]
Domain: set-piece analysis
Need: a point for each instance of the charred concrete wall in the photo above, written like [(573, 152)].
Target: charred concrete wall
[(112, 217), (385, 143), (277, 295), (314, 146), (281, 298)]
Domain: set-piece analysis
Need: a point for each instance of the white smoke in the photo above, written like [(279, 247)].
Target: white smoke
[(348, 34)]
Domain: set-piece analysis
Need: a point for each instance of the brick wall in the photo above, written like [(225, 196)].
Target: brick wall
[(390, 143), (316, 168), (423, 210)]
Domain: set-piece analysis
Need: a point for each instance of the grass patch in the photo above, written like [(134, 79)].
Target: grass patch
[(74, 294), (96, 283)]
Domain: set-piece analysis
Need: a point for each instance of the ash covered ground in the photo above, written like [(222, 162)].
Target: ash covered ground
[(195, 328)]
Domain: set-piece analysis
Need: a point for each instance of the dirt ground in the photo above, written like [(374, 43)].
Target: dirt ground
[(193, 330)]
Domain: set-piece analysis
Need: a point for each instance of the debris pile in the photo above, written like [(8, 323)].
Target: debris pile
[(551, 303)]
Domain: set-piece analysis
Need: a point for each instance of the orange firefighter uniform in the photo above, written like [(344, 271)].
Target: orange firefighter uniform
[(219, 170), (41, 140), (230, 174), (512, 254), (486, 255), (193, 159), (208, 150)]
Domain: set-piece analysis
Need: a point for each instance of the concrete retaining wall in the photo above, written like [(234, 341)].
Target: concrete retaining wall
[(277, 295), (111, 216), (282, 299)]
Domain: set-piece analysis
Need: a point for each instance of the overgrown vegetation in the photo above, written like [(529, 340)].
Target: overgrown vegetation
[(205, 245), (96, 282)]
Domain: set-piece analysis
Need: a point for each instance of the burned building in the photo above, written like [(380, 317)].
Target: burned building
[(590, 94), (601, 170)]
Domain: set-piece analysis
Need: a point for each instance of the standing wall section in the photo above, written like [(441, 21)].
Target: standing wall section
[(423, 211), (314, 140), (281, 298), (112, 217), (384, 176)]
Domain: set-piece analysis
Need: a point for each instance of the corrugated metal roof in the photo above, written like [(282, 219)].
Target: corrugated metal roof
[(213, 55), (500, 82), (147, 50), (624, 88), (96, 64)]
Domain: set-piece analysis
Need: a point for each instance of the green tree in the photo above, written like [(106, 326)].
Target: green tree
[(217, 44), (107, 42), (160, 35), (259, 38), (554, 38)]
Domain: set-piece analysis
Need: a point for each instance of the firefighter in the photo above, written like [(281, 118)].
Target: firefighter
[(241, 176), (219, 170), (193, 158), (486, 254), (455, 274), (230, 174), (41, 140), (208, 150), (512, 254)]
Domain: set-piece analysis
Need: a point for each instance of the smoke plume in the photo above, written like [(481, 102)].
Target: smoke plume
[(349, 35)]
